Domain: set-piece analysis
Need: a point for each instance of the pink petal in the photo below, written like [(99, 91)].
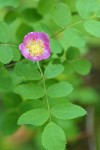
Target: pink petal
[(44, 37), (24, 50), (31, 36)]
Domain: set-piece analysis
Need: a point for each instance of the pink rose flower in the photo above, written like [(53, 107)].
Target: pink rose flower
[(35, 46)]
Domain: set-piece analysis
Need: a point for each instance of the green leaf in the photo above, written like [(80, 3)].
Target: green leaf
[(4, 32), (5, 80), (53, 70), (73, 53), (12, 100), (45, 6), (67, 111), (16, 54), (86, 95), (38, 141), (15, 78), (6, 54), (41, 27), (54, 27), (57, 100), (35, 117), (22, 31), (98, 13), (13, 3), (30, 104), (10, 16), (88, 8), (55, 46), (61, 15), (29, 91), (70, 128), (9, 124), (53, 137), (27, 70), (82, 67), (73, 37), (60, 89), (31, 15), (93, 27)]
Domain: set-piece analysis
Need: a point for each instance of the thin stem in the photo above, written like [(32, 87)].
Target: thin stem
[(71, 25), (47, 101), (68, 27), (10, 65), (8, 44)]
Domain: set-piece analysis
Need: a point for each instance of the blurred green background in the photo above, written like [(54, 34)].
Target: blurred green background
[(23, 16)]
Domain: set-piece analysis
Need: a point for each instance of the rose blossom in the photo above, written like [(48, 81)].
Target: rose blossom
[(35, 46)]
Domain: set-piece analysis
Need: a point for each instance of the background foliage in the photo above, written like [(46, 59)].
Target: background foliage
[(50, 121)]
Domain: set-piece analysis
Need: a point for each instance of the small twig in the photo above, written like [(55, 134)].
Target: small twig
[(8, 44), (71, 25), (10, 65), (68, 27)]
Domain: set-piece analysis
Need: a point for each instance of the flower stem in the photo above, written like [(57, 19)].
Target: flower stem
[(46, 95)]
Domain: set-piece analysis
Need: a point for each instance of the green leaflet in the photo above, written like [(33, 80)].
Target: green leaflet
[(5, 80), (4, 32), (27, 70), (92, 27), (36, 117), (22, 30), (53, 137), (16, 54), (6, 54), (45, 6), (9, 124), (31, 15), (30, 104), (55, 46), (53, 70), (10, 17), (41, 27), (61, 15), (85, 95), (67, 111), (88, 8), (72, 37), (15, 78), (69, 126), (13, 3), (73, 53), (12, 100), (29, 91), (82, 67), (60, 89)]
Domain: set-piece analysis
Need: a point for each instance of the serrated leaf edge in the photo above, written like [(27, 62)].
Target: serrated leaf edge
[(31, 123)]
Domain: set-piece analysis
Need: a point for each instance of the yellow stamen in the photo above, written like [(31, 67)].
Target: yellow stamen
[(36, 48)]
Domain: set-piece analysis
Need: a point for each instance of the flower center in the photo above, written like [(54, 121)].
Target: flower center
[(36, 48)]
